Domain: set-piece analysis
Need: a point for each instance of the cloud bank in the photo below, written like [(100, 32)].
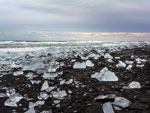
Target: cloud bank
[(21, 18)]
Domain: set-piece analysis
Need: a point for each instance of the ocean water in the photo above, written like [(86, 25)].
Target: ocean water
[(24, 46)]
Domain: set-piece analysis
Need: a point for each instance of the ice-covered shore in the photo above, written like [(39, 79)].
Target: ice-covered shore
[(55, 74)]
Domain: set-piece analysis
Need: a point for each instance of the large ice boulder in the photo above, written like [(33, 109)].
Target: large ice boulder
[(13, 99), (105, 75)]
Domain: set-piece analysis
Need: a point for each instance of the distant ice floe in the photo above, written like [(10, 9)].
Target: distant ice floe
[(105, 75)]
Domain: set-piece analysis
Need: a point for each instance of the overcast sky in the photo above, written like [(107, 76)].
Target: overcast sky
[(77, 19)]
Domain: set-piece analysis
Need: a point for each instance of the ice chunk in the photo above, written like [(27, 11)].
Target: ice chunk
[(95, 56), (138, 61), (45, 86), (39, 103), (29, 75), (14, 66), (102, 97), (13, 99), (107, 108), (108, 56), (59, 94), (50, 111), (69, 81), (121, 65), (129, 67), (121, 102), (35, 81), (79, 65), (89, 63), (105, 75), (62, 82), (140, 66), (43, 96), (129, 62), (17, 73), (56, 101), (34, 67), (50, 89), (31, 110), (50, 76), (2, 95), (69, 91), (134, 85), (10, 91), (117, 58), (110, 60)]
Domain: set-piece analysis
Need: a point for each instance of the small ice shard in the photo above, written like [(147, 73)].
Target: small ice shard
[(117, 108), (138, 61), (105, 75), (107, 108), (140, 66), (31, 110), (134, 85), (89, 63), (79, 65), (108, 97), (93, 55), (50, 89), (14, 66), (129, 62), (62, 82), (121, 102), (121, 65), (59, 94), (34, 67), (45, 86), (17, 73), (10, 91), (69, 91), (108, 56), (50, 76), (2, 95), (56, 101), (35, 81), (69, 81), (110, 60), (129, 67), (143, 60), (39, 103), (13, 99), (50, 111), (117, 58), (53, 68), (43, 96), (29, 75)]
